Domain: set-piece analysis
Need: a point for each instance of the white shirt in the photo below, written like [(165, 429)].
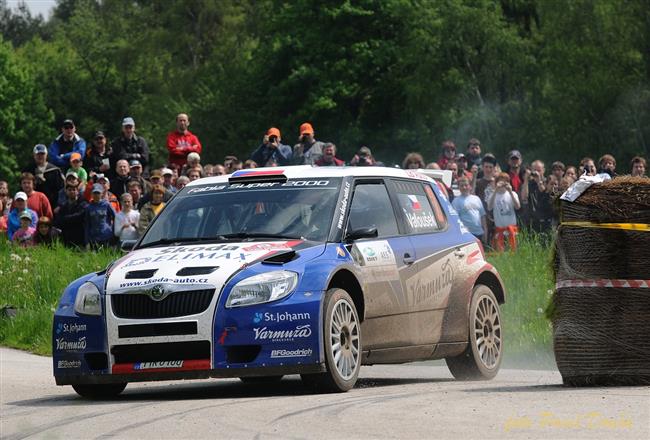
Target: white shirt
[(504, 209), (121, 219)]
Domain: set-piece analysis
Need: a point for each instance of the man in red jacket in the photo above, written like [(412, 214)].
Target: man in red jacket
[(182, 142)]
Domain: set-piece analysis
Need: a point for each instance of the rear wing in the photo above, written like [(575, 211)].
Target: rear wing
[(444, 176)]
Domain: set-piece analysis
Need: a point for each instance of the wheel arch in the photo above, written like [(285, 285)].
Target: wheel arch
[(492, 280), (346, 280)]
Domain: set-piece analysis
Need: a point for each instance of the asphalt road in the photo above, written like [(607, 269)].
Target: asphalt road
[(403, 401)]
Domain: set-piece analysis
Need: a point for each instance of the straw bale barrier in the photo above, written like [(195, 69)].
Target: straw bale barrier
[(601, 306)]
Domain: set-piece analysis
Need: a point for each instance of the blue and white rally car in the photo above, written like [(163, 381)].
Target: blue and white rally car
[(295, 270)]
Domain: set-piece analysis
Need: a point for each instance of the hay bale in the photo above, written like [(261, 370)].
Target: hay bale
[(601, 335)]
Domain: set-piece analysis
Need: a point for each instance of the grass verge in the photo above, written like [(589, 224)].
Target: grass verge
[(528, 278), (32, 280)]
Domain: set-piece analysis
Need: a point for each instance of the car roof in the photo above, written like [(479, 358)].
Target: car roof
[(308, 171)]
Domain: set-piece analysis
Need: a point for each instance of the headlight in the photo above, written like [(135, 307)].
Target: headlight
[(88, 301), (262, 288)]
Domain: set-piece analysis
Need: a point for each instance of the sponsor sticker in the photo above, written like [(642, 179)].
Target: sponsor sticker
[(280, 317), (182, 253), (206, 189), (156, 282), (71, 327), (67, 345), (288, 335), (157, 365), (299, 352), (430, 287), (266, 247), (420, 221), (374, 253), (416, 175), (65, 364), (344, 204)]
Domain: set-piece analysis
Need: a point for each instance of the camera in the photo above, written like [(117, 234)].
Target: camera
[(363, 161), (273, 139)]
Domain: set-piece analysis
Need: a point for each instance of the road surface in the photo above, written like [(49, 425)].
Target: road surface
[(397, 401)]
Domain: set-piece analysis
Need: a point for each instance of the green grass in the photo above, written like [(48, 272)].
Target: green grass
[(32, 280), (528, 278)]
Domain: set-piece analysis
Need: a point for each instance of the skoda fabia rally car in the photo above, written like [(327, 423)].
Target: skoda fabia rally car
[(295, 270)]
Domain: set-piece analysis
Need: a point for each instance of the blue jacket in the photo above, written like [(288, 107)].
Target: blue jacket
[(281, 155), (13, 221), (98, 222), (59, 154)]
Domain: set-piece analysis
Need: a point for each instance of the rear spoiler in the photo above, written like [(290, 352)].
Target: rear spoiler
[(444, 176)]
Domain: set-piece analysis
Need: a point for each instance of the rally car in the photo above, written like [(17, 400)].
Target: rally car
[(276, 271)]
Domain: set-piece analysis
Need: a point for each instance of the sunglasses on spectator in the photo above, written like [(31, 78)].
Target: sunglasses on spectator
[(68, 127)]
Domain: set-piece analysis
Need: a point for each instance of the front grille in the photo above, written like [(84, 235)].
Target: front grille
[(171, 351), (157, 329), (141, 306)]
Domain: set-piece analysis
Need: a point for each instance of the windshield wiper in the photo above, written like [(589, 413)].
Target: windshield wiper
[(258, 235), (173, 240)]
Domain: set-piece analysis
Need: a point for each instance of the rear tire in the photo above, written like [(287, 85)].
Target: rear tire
[(342, 343), (99, 391), (482, 357), (261, 379)]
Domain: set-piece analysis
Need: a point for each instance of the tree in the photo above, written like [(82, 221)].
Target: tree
[(24, 117), (19, 26)]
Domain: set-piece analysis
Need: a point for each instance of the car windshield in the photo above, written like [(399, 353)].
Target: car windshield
[(301, 209)]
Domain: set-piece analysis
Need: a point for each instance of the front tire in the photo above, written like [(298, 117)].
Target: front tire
[(481, 359), (342, 343), (99, 391)]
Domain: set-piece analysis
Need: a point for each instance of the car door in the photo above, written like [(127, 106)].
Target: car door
[(427, 289), (379, 261)]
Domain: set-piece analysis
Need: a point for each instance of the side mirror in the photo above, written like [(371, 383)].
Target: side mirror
[(127, 245), (356, 234)]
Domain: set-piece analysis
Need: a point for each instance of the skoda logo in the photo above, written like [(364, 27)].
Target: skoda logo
[(157, 292)]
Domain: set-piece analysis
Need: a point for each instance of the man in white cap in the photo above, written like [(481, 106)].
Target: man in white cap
[(130, 146), (19, 207), (168, 180), (49, 179), (135, 173)]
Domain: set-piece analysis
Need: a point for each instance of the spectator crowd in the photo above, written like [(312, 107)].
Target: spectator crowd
[(104, 193)]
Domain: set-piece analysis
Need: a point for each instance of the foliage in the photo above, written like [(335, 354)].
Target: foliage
[(23, 113), (19, 26), (558, 81)]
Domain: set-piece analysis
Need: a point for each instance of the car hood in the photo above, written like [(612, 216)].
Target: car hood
[(188, 267)]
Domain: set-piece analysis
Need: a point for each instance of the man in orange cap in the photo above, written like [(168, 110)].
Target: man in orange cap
[(272, 150), (308, 150)]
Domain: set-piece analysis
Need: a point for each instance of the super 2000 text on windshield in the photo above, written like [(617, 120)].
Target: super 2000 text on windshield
[(261, 185)]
